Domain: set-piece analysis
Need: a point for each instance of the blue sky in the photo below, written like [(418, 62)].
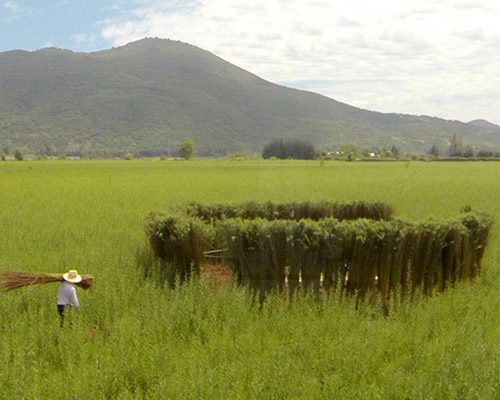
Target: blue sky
[(75, 25), (422, 57)]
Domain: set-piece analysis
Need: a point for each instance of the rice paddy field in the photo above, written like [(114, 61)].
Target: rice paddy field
[(133, 339)]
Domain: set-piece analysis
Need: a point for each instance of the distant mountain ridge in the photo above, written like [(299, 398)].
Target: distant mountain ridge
[(485, 124), (148, 96)]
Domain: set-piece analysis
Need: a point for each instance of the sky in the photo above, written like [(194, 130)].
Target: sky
[(422, 57)]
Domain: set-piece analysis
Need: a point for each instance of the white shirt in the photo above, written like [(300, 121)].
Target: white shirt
[(67, 295)]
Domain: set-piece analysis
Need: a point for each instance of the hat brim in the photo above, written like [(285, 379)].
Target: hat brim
[(76, 279)]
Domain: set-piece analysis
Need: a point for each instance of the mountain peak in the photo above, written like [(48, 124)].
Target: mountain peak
[(154, 44), (484, 124)]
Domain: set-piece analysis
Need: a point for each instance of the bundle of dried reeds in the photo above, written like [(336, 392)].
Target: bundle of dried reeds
[(10, 280)]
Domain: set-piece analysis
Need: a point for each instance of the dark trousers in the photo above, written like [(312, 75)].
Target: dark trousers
[(60, 310)]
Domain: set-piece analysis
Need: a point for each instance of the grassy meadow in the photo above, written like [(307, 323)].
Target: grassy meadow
[(133, 339)]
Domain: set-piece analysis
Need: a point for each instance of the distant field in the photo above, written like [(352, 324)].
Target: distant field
[(134, 340)]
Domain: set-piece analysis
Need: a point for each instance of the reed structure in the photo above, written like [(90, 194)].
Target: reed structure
[(10, 280), (358, 248)]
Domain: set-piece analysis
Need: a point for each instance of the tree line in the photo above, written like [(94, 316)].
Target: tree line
[(305, 150), (285, 149)]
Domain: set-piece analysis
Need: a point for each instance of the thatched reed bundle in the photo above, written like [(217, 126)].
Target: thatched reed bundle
[(362, 258), (289, 211), (368, 258), (10, 280), (180, 237), (179, 242)]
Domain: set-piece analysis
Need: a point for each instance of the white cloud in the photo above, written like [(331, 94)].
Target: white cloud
[(414, 56), (12, 11), (11, 7)]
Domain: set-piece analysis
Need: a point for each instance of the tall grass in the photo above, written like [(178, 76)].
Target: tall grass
[(134, 339)]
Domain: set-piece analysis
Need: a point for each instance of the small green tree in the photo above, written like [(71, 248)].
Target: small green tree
[(187, 150), (395, 151), (18, 155)]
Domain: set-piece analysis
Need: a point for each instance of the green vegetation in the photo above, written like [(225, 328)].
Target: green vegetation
[(284, 149), (147, 97), (136, 339), (18, 155), (187, 149)]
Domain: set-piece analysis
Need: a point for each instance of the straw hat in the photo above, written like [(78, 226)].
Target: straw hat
[(72, 276)]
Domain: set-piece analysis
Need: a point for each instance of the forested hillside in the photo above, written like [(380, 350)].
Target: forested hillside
[(149, 96)]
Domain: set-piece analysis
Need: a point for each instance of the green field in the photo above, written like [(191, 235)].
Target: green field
[(132, 339)]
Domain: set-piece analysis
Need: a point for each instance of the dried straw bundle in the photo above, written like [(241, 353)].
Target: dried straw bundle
[(10, 280)]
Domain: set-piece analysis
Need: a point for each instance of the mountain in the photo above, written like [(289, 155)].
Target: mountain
[(485, 124), (148, 96)]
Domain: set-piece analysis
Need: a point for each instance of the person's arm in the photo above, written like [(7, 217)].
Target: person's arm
[(73, 298)]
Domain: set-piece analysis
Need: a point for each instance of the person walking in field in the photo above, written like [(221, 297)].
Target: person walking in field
[(67, 293)]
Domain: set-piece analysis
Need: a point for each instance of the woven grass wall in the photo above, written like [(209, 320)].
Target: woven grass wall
[(357, 249)]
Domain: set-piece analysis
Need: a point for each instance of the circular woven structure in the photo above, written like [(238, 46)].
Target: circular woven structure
[(358, 248)]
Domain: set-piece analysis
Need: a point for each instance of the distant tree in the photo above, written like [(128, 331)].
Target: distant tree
[(468, 152), (18, 155), (456, 146), (435, 151), (275, 148), (187, 150), (284, 149), (485, 153), (128, 156), (395, 151), (302, 150)]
